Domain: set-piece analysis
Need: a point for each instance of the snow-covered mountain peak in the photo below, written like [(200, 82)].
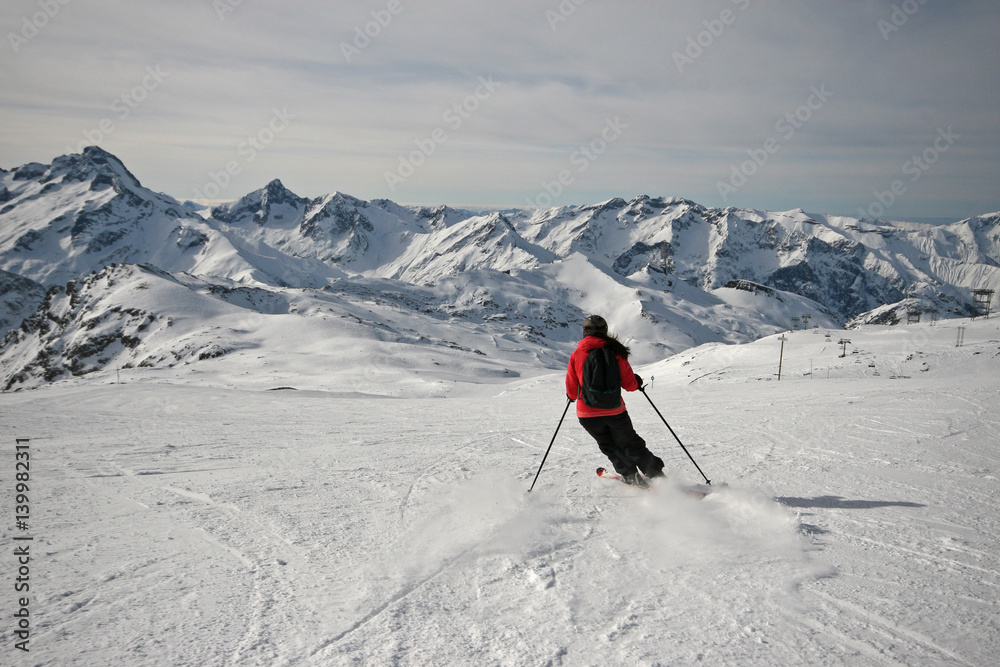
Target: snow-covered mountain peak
[(272, 203), (95, 167), (79, 214), (644, 206), (488, 241), (674, 271), (611, 206), (437, 217)]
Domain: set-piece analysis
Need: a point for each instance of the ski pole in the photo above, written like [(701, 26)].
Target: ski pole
[(568, 401), (707, 480)]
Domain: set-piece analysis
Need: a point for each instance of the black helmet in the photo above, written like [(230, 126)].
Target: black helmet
[(595, 324)]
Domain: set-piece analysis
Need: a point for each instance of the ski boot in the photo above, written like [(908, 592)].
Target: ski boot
[(635, 479)]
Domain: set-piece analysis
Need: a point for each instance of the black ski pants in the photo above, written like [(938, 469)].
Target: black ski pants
[(618, 441)]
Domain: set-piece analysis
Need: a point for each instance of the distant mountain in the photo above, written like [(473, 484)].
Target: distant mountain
[(849, 266), (506, 288)]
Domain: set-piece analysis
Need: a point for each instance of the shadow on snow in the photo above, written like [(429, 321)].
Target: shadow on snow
[(838, 502)]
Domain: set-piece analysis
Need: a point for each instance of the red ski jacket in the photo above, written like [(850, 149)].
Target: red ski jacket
[(575, 371)]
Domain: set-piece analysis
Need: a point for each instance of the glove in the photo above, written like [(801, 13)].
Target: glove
[(639, 380)]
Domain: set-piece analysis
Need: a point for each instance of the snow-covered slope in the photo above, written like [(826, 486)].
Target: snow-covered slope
[(149, 323), (854, 519), (139, 322)]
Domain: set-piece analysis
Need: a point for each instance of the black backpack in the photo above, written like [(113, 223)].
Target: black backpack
[(601, 384)]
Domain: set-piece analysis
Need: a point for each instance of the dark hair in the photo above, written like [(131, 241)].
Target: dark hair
[(595, 325), (612, 343)]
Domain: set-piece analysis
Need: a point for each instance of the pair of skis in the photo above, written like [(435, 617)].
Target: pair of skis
[(607, 474)]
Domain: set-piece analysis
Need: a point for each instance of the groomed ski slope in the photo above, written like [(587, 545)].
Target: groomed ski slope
[(855, 518)]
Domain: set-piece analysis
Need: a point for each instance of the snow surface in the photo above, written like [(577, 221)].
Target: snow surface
[(188, 517)]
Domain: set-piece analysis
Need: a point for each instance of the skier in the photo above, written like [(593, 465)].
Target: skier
[(611, 427)]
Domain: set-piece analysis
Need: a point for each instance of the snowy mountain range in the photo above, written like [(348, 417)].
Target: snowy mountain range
[(98, 273)]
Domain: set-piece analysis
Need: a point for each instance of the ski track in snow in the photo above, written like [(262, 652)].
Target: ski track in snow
[(853, 522)]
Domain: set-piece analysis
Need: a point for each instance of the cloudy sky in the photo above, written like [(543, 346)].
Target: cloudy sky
[(889, 107)]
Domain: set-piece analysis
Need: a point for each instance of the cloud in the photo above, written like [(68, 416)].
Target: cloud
[(698, 84)]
